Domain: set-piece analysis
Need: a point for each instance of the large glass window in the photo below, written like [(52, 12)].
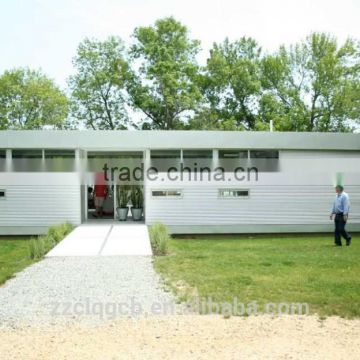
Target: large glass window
[(2, 160), (59, 160), (199, 158), (163, 160), (59, 154), (96, 160), (165, 154), (114, 154), (265, 160), (264, 154), (197, 154), (27, 154), (231, 159), (27, 160)]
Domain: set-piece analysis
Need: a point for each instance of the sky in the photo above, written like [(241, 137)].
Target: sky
[(44, 34)]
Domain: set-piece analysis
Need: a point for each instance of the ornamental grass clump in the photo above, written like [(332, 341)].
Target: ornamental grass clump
[(159, 237)]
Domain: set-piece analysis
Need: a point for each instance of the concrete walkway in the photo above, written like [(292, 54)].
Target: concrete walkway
[(105, 240)]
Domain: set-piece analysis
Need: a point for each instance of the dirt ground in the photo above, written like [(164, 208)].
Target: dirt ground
[(189, 337)]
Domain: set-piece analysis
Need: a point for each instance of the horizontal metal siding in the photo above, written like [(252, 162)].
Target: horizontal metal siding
[(200, 205), (40, 205), (301, 192)]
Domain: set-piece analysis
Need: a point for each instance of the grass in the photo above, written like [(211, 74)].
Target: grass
[(159, 238), (14, 256), (292, 269), (41, 245), (16, 253)]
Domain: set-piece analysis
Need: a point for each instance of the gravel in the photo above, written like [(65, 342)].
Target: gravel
[(189, 337), (90, 289)]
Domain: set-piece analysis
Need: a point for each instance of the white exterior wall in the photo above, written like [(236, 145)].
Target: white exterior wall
[(35, 201), (297, 197)]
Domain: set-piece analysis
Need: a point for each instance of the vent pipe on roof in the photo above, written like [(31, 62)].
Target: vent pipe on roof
[(271, 126)]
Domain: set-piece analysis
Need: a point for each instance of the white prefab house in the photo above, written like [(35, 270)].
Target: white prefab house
[(192, 181)]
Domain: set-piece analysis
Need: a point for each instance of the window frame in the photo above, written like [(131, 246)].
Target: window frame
[(167, 196), (221, 190), (233, 154)]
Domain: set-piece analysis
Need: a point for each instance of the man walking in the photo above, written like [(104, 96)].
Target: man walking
[(340, 213)]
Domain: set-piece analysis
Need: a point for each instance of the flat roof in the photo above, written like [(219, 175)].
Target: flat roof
[(118, 140)]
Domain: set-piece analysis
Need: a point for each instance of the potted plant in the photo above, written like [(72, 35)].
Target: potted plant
[(137, 201), (122, 201)]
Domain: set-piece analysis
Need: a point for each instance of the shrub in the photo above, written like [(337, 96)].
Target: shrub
[(54, 234), (123, 196), (159, 238), (65, 229), (32, 248), (137, 197), (39, 246)]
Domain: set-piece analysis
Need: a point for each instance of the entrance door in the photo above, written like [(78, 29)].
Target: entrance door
[(103, 168)]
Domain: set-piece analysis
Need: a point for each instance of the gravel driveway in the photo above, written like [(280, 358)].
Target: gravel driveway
[(57, 290)]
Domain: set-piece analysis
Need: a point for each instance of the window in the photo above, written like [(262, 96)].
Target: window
[(2, 193), (162, 160), (264, 154), (114, 155), (233, 193), (27, 160), (197, 154), (59, 160), (27, 154), (165, 154), (233, 154), (59, 154), (200, 158), (166, 193), (2, 160)]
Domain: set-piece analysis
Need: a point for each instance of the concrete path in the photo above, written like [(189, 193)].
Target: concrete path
[(105, 240)]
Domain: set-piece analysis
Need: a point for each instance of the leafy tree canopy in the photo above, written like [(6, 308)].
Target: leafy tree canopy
[(232, 82), (30, 100), (312, 86), (98, 87), (164, 79)]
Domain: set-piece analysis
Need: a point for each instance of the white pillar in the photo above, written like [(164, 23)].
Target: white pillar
[(8, 162), (215, 161)]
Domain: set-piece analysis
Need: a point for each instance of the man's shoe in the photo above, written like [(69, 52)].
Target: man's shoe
[(338, 245), (348, 241)]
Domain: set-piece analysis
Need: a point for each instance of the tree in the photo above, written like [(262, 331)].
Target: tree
[(163, 84), (208, 119), (98, 87), (232, 83), (312, 86), (30, 100)]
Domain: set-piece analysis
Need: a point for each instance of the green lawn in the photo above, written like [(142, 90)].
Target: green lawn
[(307, 269), (14, 256)]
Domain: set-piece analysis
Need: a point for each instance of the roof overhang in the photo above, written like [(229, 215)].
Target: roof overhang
[(153, 139)]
